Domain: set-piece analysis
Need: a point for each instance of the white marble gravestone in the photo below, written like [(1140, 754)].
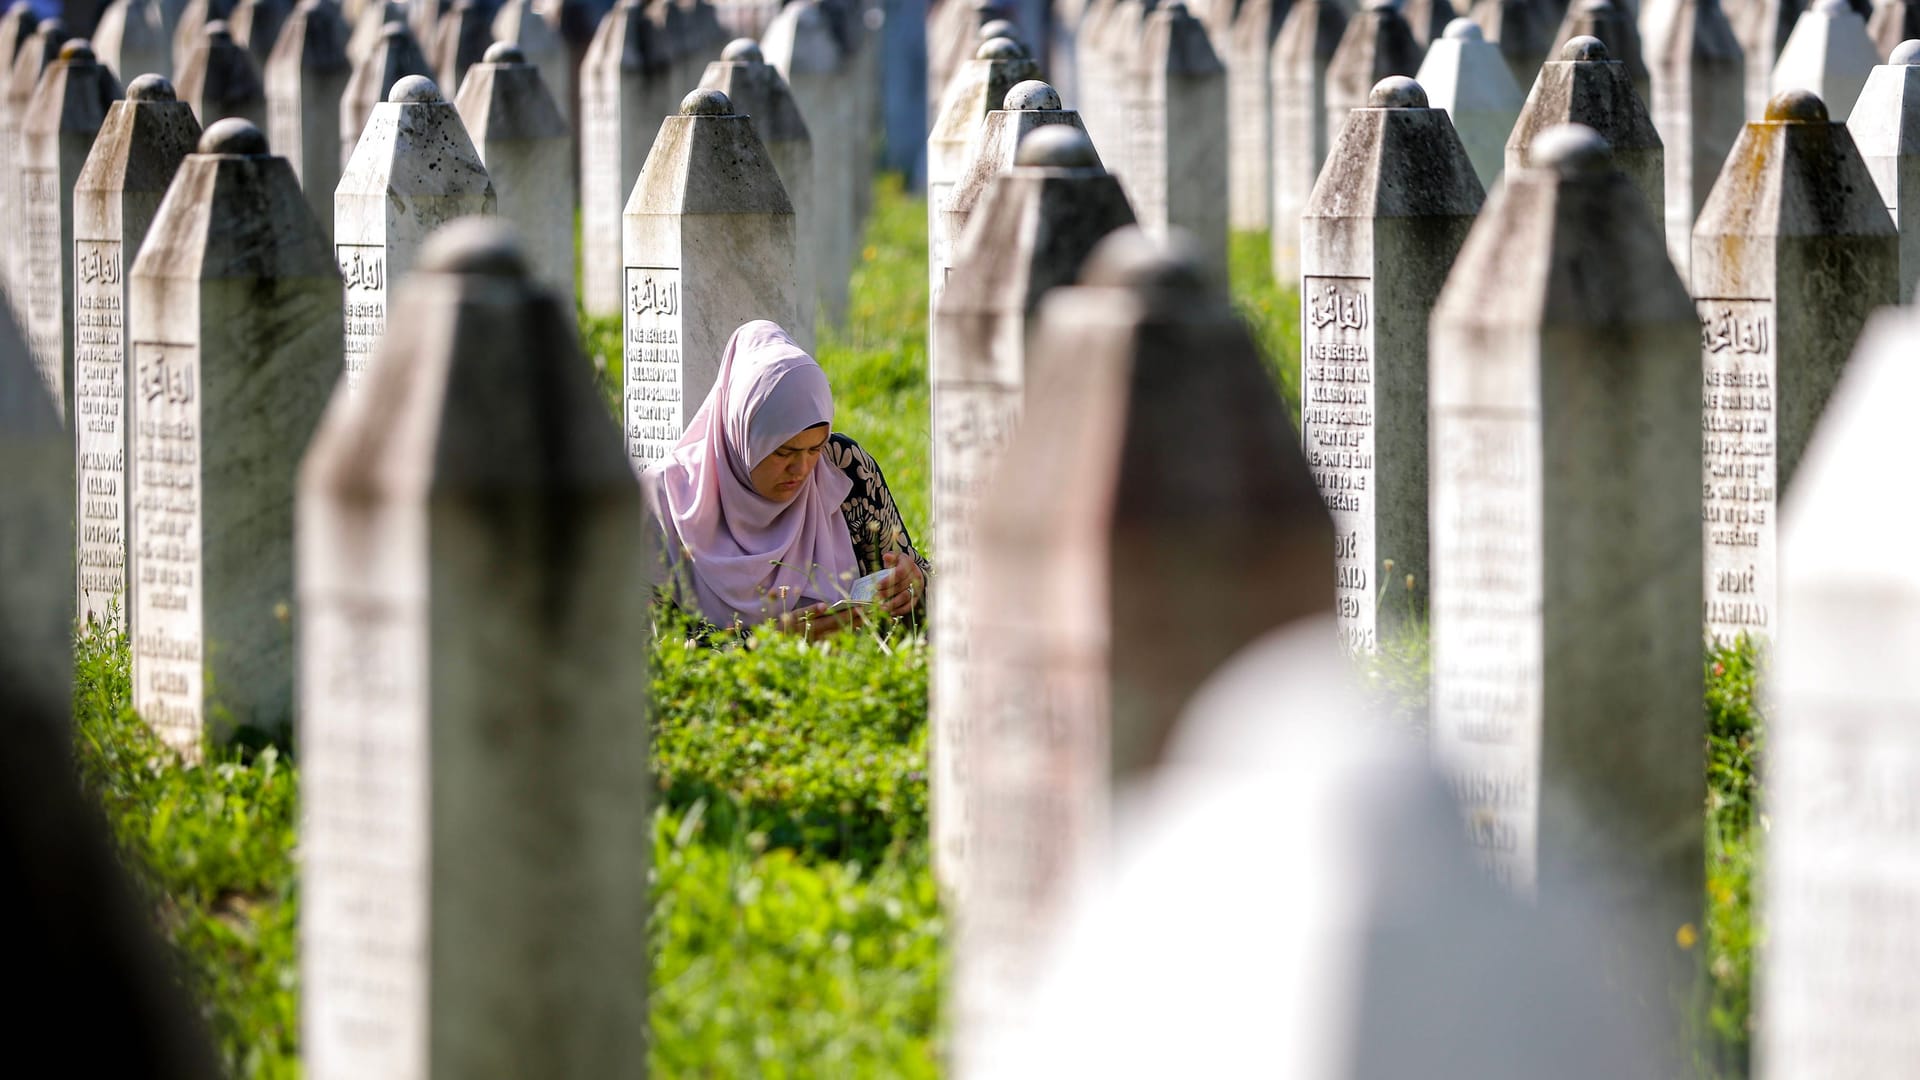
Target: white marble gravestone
[(39, 51), (235, 315), (517, 23), (1588, 87), (475, 812), (134, 38), (1177, 135), (1842, 885), (36, 535), (709, 239), (1566, 536), (134, 158), (1793, 251), (979, 87), (1698, 106), (1885, 126), (415, 170), (801, 46), (523, 141), (1828, 53), (1300, 56), (1249, 61), (306, 75), (220, 79), (393, 57), (624, 95), (1468, 79), (1033, 228), (1379, 235)]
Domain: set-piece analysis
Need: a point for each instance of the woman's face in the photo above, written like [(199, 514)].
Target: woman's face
[(780, 474)]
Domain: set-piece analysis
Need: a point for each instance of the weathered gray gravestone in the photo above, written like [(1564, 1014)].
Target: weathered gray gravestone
[(415, 170), (460, 41), (517, 23), (1468, 79), (1885, 126), (16, 30), (1613, 23), (978, 88), (1034, 227), (1523, 29), (1177, 135), (1840, 890), (133, 39), (758, 92), (220, 80), (1250, 105), (1377, 43), (1028, 107), (1566, 537), (709, 240), (134, 158), (1300, 56), (1113, 578), (1586, 86), (953, 28), (1793, 250), (1699, 106), (1379, 235), (1762, 27), (624, 94), (40, 50), (396, 56), (528, 152), (256, 24), (305, 79), (465, 551), (801, 46), (57, 131), (235, 311), (36, 533), (1828, 53), (1892, 22)]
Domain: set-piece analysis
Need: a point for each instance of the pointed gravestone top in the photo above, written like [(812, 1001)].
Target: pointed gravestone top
[(1829, 53), (1586, 85)]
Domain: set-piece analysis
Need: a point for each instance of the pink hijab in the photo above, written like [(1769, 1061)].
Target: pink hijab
[(740, 547)]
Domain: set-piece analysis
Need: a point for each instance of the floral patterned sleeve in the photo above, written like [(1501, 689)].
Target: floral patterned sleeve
[(871, 515)]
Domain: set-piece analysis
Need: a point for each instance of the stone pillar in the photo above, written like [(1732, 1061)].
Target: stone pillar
[(1840, 888), (709, 245), (134, 158), (903, 82), (1786, 269), (190, 28), (1177, 135), (368, 27), (1762, 27), (1613, 23), (1250, 112), (1588, 87), (1468, 79), (1300, 56), (758, 92), (979, 87), (1699, 102), (133, 39), (1524, 31), (38, 52), (1029, 106), (1036, 223), (1566, 533), (1113, 579), (1885, 126), (462, 785), (1377, 43), (624, 94), (396, 56), (57, 131), (1389, 214), (460, 41), (305, 79), (800, 45), (1830, 54), (528, 152), (256, 24), (220, 80), (517, 23), (235, 310), (1892, 22), (36, 535), (415, 170)]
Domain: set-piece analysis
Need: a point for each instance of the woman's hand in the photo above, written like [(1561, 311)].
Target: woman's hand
[(901, 590)]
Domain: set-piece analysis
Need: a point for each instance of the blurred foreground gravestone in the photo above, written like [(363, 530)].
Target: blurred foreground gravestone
[(463, 785), (1586, 86), (134, 158), (1159, 520), (1566, 552), (236, 330), (1468, 79), (1698, 107), (1885, 126), (306, 76), (523, 141)]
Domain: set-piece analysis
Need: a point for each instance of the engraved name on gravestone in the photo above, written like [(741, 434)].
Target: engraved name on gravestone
[(1737, 441), (169, 683), (654, 391), (1336, 349)]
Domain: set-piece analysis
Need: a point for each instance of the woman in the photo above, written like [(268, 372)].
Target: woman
[(767, 514)]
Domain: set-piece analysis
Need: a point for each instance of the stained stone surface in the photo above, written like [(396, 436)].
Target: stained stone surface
[(220, 79), (36, 535), (236, 331), (1698, 106), (39, 51), (1613, 23), (1828, 53), (1249, 61), (1380, 233), (1885, 126), (527, 150), (1029, 107), (1466, 77), (517, 23), (1177, 136), (415, 170), (1523, 29), (709, 238), (624, 96), (256, 24), (469, 547), (119, 189), (1300, 136), (1112, 578), (1377, 43), (1033, 229), (393, 57), (1842, 885), (306, 75), (1763, 27), (1587, 86), (978, 87), (460, 41), (134, 39), (1566, 537), (1793, 251)]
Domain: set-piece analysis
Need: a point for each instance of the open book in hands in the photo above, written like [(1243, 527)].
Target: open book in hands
[(863, 592)]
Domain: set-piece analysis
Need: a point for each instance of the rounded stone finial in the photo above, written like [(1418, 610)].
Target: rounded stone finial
[(504, 52), (1056, 146), (1585, 47), (1575, 151), (1030, 96), (1129, 259), (1397, 92), (1797, 106), (415, 89), (233, 136), (743, 50), (474, 245), (994, 28), (217, 31), (1001, 49), (1907, 52), (151, 87), (77, 49), (1464, 30), (1832, 8), (706, 103)]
